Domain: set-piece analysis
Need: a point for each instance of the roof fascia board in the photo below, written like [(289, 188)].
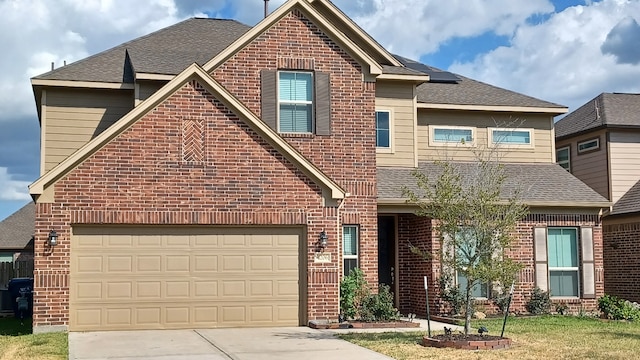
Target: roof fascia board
[(254, 32), (192, 72), (81, 84), (531, 203), (150, 76), (359, 31), (501, 108), (415, 78), (581, 132)]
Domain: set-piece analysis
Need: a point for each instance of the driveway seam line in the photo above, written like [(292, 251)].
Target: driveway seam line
[(216, 346)]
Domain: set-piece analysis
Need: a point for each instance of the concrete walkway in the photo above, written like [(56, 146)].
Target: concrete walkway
[(223, 344)]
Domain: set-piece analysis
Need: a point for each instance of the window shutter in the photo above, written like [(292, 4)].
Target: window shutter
[(540, 252), (323, 103), (588, 263), (269, 100)]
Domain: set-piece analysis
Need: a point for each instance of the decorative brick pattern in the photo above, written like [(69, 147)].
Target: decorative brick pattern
[(622, 260), (503, 343), (193, 140)]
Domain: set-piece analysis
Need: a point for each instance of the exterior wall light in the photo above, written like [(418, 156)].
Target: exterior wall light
[(323, 239), (52, 240)]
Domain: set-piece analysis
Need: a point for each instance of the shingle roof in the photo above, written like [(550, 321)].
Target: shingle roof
[(472, 92), (539, 183), (17, 230), (166, 51), (606, 109), (629, 202), (399, 70)]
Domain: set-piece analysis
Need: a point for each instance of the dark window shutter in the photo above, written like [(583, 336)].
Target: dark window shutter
[(540, 252), (588, 263), (323, 103), (269, 93)]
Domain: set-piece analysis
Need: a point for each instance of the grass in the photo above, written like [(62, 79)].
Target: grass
[(546, 337), (18, 343)]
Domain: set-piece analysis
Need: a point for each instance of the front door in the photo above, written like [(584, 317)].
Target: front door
[(387, 251)]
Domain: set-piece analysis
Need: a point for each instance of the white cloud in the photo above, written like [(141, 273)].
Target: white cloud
[(560, 60), (11, 189)]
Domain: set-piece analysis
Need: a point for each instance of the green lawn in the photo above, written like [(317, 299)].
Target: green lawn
[(547, 337), (18, 343)]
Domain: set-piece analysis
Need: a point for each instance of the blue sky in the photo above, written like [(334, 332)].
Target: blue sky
[(563, 51)]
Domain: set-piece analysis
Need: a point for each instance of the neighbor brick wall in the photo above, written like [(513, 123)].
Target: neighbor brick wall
[(412, 268), (622, 259), (145, 177)]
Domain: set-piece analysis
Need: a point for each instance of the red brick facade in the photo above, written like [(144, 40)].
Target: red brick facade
[(191, 161), (418, 231), (622, 259)]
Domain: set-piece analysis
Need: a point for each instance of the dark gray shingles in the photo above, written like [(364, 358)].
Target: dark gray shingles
[(17, 230), (538, 182), (629, 202), (606, 109), (472, 92), (399, 70), (166, 51)]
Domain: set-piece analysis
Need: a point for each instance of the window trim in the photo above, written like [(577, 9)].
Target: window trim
[(589, 149), (312, 102), (355, 257), (391, 148), (577, 269), (433, 142), (568, 161), (492, 143)]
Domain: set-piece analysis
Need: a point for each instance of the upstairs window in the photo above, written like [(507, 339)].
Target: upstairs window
[(588, 145), (511, 137), (383, 129), (563, 158), (295, 100), (451, 135)]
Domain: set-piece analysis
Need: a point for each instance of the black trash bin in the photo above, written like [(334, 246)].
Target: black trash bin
[(21, 287)]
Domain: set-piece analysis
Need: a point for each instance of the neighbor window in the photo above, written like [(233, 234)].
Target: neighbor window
[(589, 145), (520, 137), (349, 248), (295, 100), (562, 247), (443, 135), (563, 158), (383, 129)]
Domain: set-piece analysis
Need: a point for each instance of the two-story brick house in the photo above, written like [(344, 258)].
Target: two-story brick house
[(213, 174), (599, 143)]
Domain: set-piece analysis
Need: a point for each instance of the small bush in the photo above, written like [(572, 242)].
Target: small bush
[(540, 303), (451, 294), (379, 307), (562, 309), (353, 291), (618, 309)]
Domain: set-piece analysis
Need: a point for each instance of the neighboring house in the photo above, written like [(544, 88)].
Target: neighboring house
[(599, 143), (211, 174), (16, 235)]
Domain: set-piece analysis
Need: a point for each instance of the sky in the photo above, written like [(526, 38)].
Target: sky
[(562, 51)]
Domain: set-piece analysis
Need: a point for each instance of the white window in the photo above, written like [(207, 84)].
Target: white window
[(562, 247), (383, 129), (588, 145), (349, 248), (295, 102), (563, 157), (511, 137), (451, 135)]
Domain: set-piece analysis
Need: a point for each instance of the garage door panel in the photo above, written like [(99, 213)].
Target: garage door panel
[(142, 279)]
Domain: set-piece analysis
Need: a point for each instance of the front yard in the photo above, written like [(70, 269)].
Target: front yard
[(546, 337), (18, 343)]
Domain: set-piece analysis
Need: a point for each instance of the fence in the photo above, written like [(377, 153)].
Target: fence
[(16, 269)]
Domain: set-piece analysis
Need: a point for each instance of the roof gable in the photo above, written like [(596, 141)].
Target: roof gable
[(194, 71), (312, 14)]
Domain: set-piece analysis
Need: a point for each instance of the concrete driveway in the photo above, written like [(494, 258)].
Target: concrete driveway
[(216, 344)]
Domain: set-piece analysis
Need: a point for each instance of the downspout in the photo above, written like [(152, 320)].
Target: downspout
[(338, 228)]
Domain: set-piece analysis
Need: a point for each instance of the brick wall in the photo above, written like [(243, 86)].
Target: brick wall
[(622, 259), (418, 231), (191, 161)]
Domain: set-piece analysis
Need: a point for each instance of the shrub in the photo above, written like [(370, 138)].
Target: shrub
[(540, 303), (618, 309), (562, 309), (353, 290), (379, 307), (451, 294)]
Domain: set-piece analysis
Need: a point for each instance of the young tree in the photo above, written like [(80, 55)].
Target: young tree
[(475, 217)]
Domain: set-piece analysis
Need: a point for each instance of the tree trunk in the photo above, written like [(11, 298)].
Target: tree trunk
[(469, 308)]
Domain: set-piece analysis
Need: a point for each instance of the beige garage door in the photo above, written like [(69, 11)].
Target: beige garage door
[(171, 278)]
